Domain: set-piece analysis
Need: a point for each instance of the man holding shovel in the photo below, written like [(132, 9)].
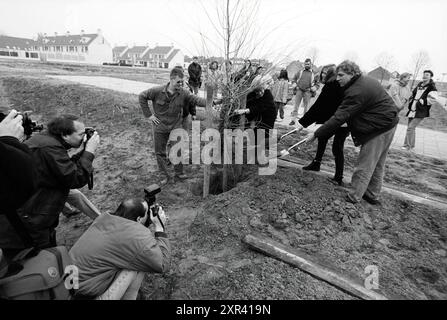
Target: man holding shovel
[(372, 118)]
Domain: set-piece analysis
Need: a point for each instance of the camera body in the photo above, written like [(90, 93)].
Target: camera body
[(150, 197), (89, 131), (29, 126)]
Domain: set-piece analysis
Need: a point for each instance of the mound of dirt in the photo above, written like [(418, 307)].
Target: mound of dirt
[(406, 242), (405, 171)]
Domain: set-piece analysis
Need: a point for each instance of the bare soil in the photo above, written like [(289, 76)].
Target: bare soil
[(405, 171), (408, 242)]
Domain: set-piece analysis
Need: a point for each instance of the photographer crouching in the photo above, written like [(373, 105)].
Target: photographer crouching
[(117, 249), (54, 174)]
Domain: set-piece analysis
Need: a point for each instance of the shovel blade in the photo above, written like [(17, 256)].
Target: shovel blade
[(284, 153)]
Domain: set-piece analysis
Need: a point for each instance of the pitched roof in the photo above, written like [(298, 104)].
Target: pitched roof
[(20, 43), (162, 49), (157, 50), (380, 74), (119, 49), (172, 55), (69, 40), (137, 49)]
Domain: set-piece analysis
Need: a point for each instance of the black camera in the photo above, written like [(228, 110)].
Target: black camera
[(29, 126), (149, 197), (89, 131)]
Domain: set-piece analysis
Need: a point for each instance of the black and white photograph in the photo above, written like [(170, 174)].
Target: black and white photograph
[(238, 153)]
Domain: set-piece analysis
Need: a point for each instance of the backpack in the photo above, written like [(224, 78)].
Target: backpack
[(35, 274), (41, 275)]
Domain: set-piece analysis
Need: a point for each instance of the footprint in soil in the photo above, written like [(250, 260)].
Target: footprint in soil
[(438, 162), (425, 274)]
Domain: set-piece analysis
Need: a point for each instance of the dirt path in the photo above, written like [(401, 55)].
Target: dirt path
[(429, 142)]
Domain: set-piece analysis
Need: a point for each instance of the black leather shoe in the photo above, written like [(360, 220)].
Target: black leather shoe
[(313, 166), (371, 200), (338, 182), (350, 200)]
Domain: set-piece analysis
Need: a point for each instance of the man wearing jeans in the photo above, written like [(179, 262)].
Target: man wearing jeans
[(418, 108), (168, 103), (372, 118)]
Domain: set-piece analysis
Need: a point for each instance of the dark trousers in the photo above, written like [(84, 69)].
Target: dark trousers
[(280, 107), (337, 150), (161, 140)]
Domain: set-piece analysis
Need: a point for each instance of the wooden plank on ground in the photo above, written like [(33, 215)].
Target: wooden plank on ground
[(306, 264)]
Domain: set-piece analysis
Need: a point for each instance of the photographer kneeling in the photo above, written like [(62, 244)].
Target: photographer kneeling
[(117, 249), (55, 173)]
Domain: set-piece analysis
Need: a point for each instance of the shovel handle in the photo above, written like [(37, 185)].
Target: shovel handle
[(297, 144), (288, 133)]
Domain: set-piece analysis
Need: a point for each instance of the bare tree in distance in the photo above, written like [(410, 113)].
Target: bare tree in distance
[(312, 53), (419, 60), (385, 61), (352, 56)]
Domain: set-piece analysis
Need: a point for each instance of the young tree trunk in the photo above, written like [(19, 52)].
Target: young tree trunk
[(208, 120)]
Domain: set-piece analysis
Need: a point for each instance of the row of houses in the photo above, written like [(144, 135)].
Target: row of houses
[(165, 57), (88, 48)]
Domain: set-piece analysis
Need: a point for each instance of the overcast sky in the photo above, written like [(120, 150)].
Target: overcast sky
[(280, 30)]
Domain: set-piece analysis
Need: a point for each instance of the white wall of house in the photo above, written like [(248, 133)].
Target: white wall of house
[(177, 60), (98, 52)]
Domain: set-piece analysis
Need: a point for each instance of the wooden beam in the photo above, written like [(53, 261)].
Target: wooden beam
[(306, 264)]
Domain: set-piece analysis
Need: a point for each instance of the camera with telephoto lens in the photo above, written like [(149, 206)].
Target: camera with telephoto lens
[(29, 126), (149, 197), (89, 131)]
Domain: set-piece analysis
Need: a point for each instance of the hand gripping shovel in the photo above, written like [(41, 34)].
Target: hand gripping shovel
[(286, 152)]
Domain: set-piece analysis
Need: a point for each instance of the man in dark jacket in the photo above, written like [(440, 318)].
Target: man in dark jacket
[(55, 173), (195, 74), (418, 108), (372, 117), (16, 177)]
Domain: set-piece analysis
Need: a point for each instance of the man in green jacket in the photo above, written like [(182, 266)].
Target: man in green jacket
[(168, 103), (372, 118)]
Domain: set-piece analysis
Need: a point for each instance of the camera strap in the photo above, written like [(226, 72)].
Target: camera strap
[(90, 181), (158, 217)]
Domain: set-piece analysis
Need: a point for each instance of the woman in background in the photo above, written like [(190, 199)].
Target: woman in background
[(280, 91), (322, 110)]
